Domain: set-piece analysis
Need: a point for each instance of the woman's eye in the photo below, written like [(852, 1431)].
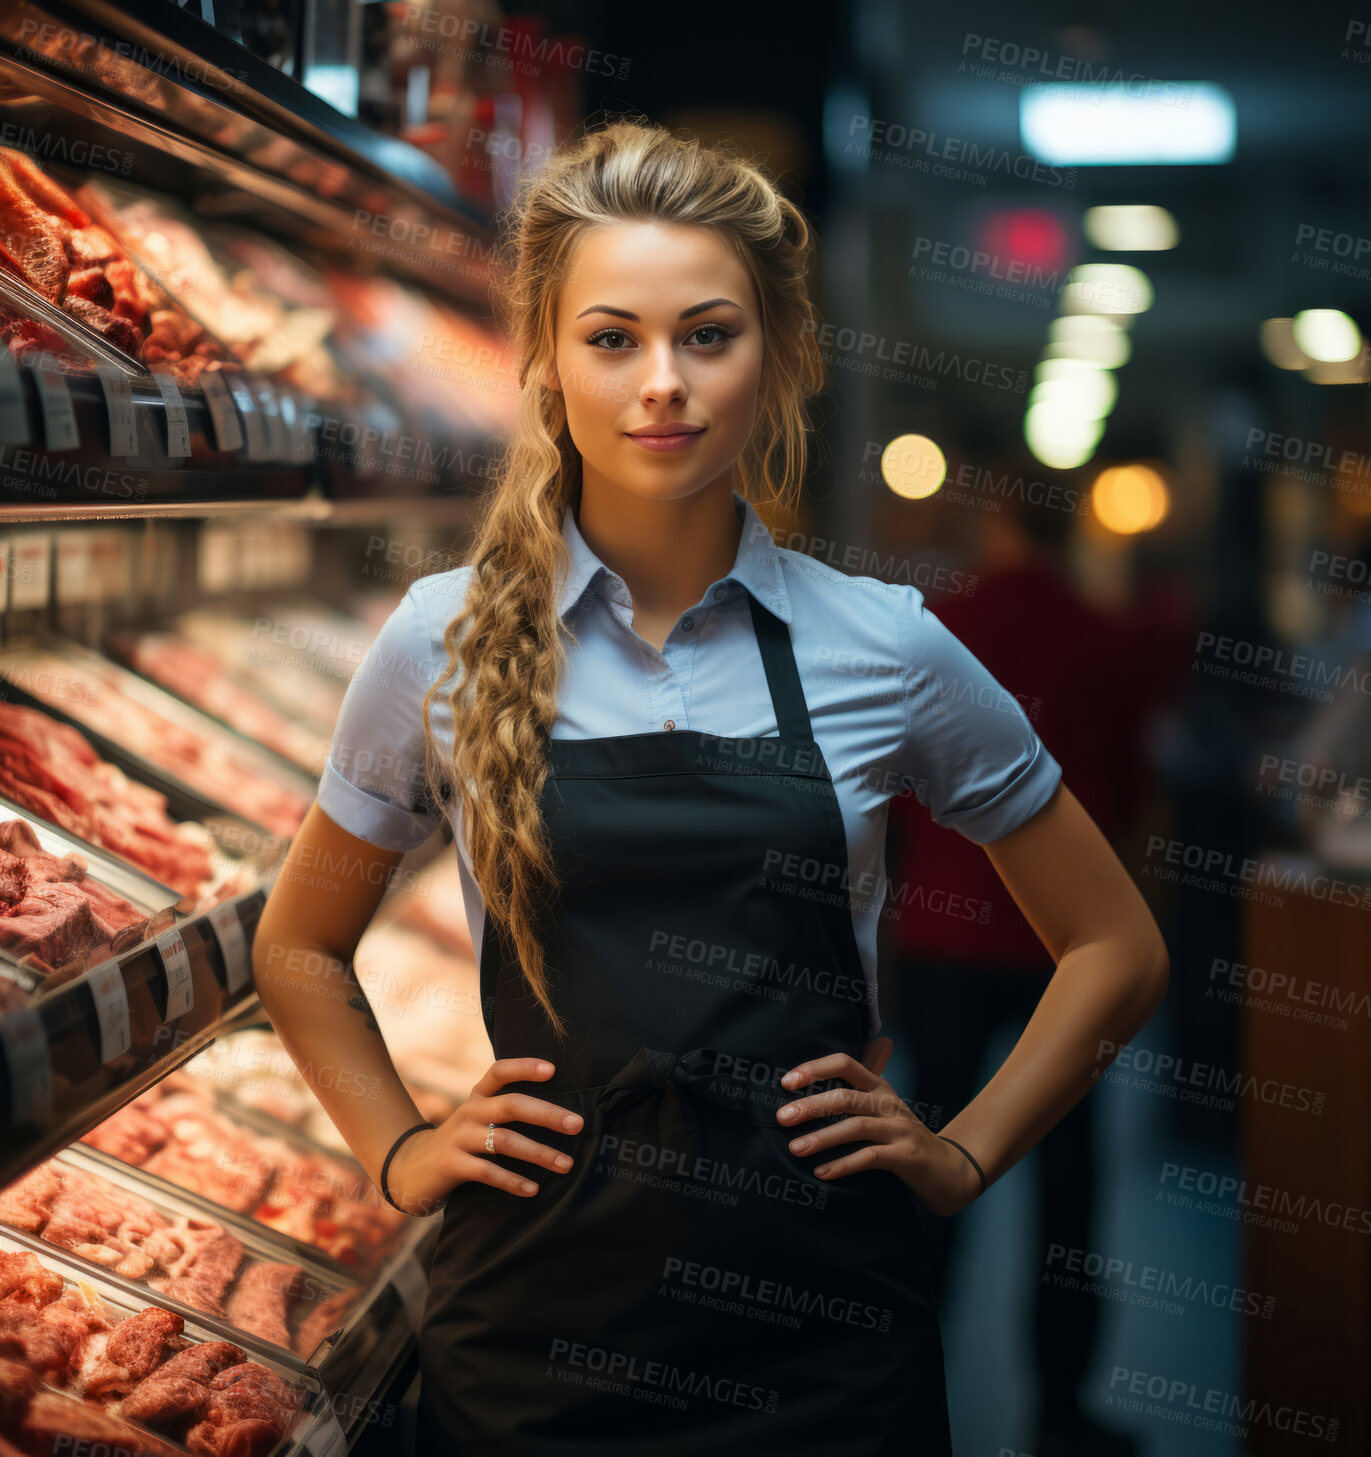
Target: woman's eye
[(718, 329), (604, 334)]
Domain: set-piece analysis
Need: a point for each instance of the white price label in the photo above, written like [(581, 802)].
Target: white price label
[(14, 418), (278, 440), (26, 1052), (123, 431), (245, 397), (176, 963), (325, 1438), (59, 415), (178, 426), (111, 1008), (228, 433), (30, 569), (228, 929), (411, 1285), (75, 563)]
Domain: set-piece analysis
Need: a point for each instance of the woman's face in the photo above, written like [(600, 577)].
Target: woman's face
[(657, 325)]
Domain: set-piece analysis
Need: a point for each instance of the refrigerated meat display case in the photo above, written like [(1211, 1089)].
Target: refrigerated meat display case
[(214, 282), (247, 367)]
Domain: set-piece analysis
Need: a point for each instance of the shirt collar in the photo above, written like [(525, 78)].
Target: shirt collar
[(757, 565)]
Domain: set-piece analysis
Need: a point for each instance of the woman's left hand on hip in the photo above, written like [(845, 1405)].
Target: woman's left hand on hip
[(896, 1139)]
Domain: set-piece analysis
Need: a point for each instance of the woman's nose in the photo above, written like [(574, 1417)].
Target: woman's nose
[(662, 378)]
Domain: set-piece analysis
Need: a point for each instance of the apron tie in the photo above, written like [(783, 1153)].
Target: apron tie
[(665, 1095)]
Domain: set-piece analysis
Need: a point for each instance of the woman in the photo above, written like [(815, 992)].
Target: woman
[(681, 1205)]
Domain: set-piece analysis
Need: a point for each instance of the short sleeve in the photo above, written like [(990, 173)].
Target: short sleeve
[(374, 784), (975, 760)]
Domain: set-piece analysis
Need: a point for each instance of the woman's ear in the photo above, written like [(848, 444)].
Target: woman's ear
[(551, 379)]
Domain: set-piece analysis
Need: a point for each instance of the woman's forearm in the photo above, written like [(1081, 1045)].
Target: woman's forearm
[(326, 1024), (1101, 993)]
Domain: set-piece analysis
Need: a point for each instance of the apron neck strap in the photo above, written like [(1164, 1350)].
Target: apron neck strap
[(782, 676)]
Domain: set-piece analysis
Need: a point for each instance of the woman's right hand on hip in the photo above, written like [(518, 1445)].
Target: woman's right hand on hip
[(429, 1165)]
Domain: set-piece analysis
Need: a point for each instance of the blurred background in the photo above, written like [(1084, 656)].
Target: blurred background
[(1094, 290)]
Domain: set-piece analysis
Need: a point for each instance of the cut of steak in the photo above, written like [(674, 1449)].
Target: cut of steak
[(261, 1298), (120, 332), (208, 1275), (252, 1438), (178, 1391), (251, 1390), (134, 1350), (23, 1281)]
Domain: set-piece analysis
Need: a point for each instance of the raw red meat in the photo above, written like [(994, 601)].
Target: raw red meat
[(198, 675), (208, 1275), (17, 1384), (31, 244), (107, 1227), (325, 1318), (208, 760), (49, 929), (165, 1401), (45, 234), (130, 1134), (121, 332), (134, 1350), (261, 1298), (24, 1282), (52, 914), (252, 1438), (311, 1196), (26, 1337), (50, 768), (209, 1393), (250, 1410), (89, 283), (14, 880), (250, 1384), (187, 1259), (42, 189), (74, 1321), (130, 298), (90, 246), (27, 1203), (58, 1426), (177, 1393)]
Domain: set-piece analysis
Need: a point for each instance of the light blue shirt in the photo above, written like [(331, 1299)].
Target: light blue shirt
[(896, 702)]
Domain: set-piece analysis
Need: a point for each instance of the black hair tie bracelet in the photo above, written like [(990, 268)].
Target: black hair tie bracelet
[(385, 1167), (980, 1172)]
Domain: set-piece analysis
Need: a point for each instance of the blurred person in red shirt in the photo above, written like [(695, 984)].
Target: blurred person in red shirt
[(966, 962)]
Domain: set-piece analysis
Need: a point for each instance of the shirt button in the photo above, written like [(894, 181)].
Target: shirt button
[(718, 592), (687, 623), (670, 723)]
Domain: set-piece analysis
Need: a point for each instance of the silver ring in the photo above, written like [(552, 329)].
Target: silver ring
[(490, 1139)]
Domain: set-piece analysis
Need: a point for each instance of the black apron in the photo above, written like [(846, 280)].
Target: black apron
[(690, 1286)]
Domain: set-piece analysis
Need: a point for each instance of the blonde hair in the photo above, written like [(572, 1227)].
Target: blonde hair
[(507, 641)]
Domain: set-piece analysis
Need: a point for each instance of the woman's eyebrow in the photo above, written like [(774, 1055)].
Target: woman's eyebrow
[(684, 314)]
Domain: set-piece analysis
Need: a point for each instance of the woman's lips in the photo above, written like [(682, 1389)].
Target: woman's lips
[(682, 441)]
